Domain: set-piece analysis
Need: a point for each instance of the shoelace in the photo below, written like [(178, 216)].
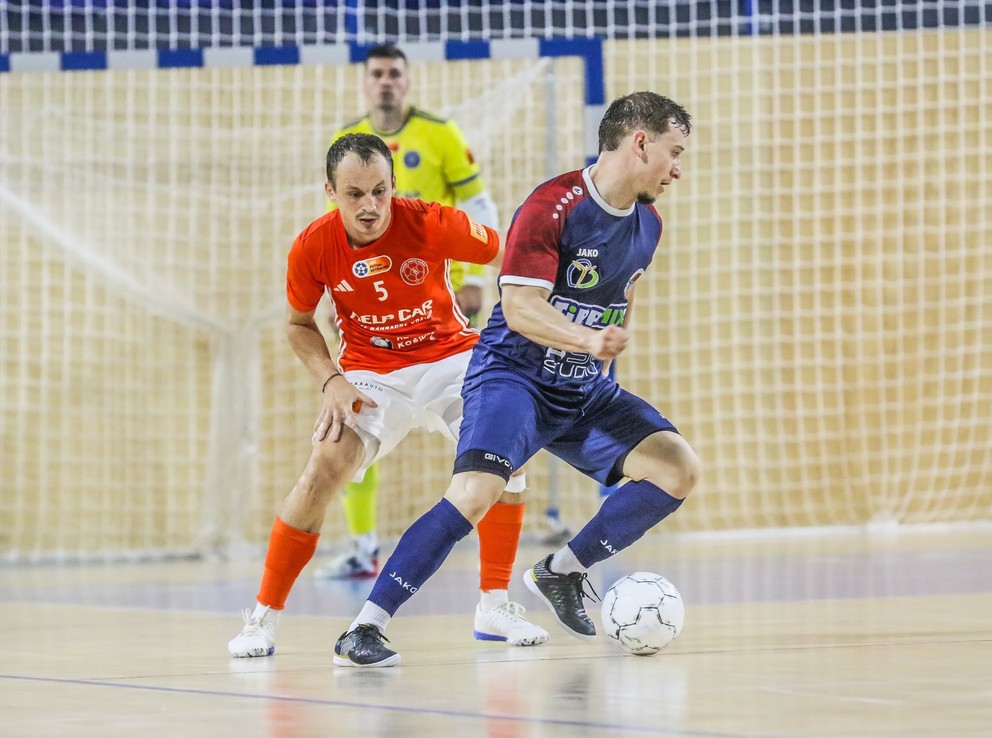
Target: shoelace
[(511, 609), (581, 585), (375, 632), (252, 626)]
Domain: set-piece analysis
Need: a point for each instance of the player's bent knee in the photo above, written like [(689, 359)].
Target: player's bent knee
[(689, 473), (667, 460), (473, 493)]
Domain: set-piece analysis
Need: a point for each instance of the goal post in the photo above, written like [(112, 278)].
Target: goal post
[(150, 199)]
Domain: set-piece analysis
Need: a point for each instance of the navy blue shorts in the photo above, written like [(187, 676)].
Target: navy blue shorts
[(507, 419)]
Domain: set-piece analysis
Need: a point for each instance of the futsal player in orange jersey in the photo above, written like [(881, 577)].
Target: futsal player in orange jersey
[(404, 347)]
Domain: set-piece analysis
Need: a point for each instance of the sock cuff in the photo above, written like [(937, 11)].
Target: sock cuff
[(504, 512), (300, 536), (453, 519), (654, 496)]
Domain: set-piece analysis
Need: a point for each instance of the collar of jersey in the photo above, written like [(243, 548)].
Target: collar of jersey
[(406, 120), (594, 194)]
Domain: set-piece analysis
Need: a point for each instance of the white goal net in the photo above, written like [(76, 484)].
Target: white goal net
[(816, 321)]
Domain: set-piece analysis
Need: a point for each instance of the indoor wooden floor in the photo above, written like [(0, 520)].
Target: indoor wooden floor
[(883, 634)]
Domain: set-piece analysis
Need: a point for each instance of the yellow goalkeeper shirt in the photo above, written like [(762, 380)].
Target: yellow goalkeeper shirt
[(433, 163)]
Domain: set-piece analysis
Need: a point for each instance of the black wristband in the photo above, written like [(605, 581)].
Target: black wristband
[(324, 386)]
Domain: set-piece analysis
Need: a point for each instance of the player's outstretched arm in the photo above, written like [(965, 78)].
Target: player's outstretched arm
[(528, 313)]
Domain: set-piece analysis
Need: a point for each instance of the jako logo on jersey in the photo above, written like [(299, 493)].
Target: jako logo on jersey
[(414, 271), (582, 274), (411, 160), (591, 316), (371, 267)]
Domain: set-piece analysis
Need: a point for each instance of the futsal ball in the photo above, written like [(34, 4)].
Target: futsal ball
[(642, 612)]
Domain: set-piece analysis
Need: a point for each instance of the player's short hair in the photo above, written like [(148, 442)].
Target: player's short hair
[(385, 51), (363, 145), (647, 111)]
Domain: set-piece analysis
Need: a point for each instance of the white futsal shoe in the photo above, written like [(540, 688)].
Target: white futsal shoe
[(506, 622), (258, 637)]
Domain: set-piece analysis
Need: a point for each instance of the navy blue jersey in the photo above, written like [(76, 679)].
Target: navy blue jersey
[(588, 254)]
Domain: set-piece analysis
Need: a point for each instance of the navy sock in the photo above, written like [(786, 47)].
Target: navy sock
[(626, 515), (419, 553)]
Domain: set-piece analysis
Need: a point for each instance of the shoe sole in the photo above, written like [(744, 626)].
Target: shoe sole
[(254, 653), (532, 586), (391, 661), (535, 640)]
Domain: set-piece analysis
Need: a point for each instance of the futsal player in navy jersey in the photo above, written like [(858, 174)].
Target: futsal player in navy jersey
[(537, 379)]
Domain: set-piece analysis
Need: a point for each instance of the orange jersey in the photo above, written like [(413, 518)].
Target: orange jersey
[(394, 300)]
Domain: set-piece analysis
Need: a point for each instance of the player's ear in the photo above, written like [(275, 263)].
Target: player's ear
[(640, 140), (329, 191)]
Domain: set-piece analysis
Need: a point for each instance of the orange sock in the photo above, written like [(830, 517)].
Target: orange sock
[(289, 551), (499, 533)]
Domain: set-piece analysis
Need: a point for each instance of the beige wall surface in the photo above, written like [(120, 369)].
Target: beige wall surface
[(815, 321)]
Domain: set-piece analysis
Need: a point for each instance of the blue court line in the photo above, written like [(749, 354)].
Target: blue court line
[(612, 727)]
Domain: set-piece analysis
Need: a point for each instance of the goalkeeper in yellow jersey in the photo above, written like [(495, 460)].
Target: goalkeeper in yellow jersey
[(432, 162)]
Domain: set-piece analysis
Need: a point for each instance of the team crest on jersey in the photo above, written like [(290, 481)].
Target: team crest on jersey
[(630, 282), (414, 271), (411, 159), (371, 267), (582, 274)]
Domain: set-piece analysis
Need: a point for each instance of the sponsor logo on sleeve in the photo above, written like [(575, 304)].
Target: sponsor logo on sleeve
[(478, 231)]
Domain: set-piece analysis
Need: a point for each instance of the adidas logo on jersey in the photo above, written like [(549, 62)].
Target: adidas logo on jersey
[(343, 286)]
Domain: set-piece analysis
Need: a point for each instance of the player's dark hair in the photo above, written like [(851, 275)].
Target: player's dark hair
[(647, 111), (363, 145), (385, 51)]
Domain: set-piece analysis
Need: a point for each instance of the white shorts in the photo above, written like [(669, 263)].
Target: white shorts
[(421, 396)]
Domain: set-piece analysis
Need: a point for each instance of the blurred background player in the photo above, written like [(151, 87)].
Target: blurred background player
[(433, 163)]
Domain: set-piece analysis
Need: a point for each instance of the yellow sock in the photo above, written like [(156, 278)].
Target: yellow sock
[(359, 503)]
